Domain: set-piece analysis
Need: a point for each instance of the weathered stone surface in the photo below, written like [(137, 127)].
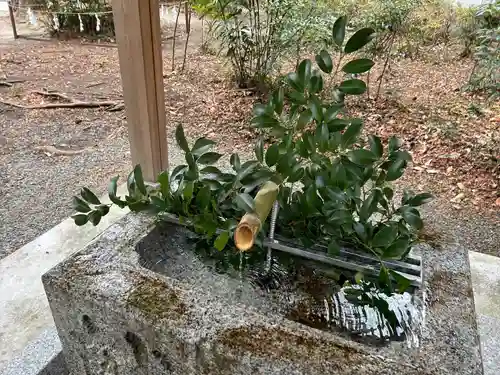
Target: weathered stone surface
[(115, 317)]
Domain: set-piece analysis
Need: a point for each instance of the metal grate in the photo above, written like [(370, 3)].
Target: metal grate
[(347, 259)]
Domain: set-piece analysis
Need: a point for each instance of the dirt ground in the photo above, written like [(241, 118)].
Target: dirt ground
[(46, 155)]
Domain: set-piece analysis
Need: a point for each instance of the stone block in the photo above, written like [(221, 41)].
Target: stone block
[(119, 313)]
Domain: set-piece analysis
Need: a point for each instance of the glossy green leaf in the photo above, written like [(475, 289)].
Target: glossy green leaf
[(201, 146), (256, 179), (272, 155), (341, 216), (358, 66), (212, 184), (324, 61), (369, 206), (80, 219), (164, 182), (395, 170), (333, 248), (407, 194), (259, 150), (316, 108), (234, 160), (384, 279), (376, 145), (412, 217), (337, 125), (388, 192), (394, 144), (211, 173), (265, 121), (323, 136), (361, 156), (420, 199), (112, 188), (188, 190), (402, 282), (353, 86), (332, 112), (284, 165), (316, 83), (221, 240), (131, 183), (80, 205), (181, 139), (203, 197), (385, 236), (305, 118), (304, 72), (295, 81), (89, 196), (296, 174), (247, 168), (209, 158), (95, 217), (351, 134), (245, 202), (396, 250), (278, 100), (178, 170), (360, 38), (339, 31), (296, 97), (360, 230), (103, 209), (159, 204), (139, 179)]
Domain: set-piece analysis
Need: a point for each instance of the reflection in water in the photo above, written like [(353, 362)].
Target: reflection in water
[(301, 290)]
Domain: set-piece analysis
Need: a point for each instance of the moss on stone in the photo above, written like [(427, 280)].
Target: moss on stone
[(281, 344), (156, 299)]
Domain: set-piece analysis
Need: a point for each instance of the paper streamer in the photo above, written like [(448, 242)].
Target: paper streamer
[(56, 22), (81, 23), (98, 24)]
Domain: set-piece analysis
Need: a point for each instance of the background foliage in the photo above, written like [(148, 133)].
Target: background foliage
[(70, 23)]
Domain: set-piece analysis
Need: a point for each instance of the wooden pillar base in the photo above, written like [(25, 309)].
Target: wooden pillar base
[(138, 35)]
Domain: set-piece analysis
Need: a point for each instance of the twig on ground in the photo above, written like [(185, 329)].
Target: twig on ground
[(63, 105), (95, 84), (10, 82), (54, 94), (56, 151), (70, 102)]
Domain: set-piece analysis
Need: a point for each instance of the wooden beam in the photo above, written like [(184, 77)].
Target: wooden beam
[(138, 35), (12, 20)]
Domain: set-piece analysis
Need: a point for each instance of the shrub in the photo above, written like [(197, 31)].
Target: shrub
[(467, 27), (486, 72), (335, 186), (257, 35)]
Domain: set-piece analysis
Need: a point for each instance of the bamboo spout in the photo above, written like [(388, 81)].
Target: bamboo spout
[(250, 223)]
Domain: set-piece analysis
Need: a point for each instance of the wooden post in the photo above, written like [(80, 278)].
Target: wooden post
[(138, 35), (12, 20)]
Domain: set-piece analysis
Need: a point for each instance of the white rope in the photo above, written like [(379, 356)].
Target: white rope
[(58, 12)]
